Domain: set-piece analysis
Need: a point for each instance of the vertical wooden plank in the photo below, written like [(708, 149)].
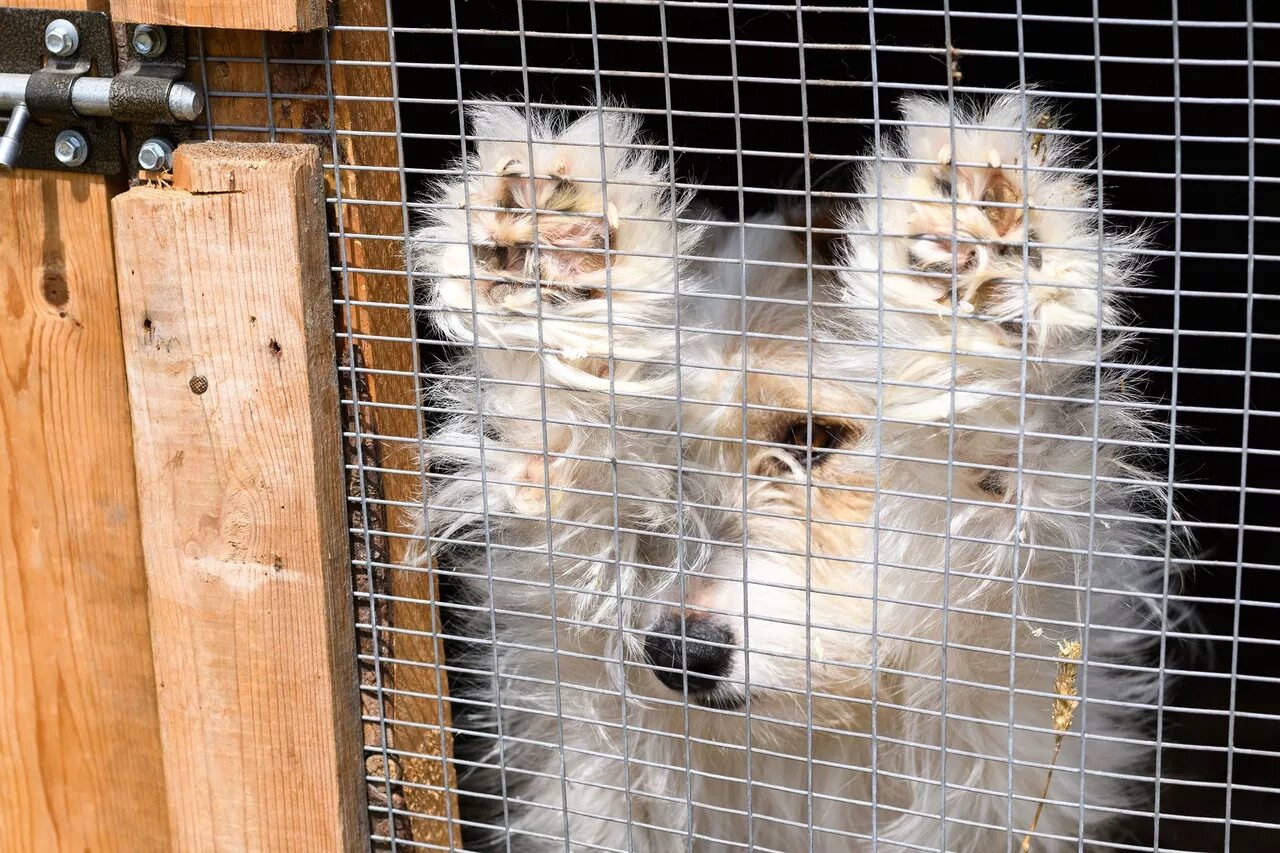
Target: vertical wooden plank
[(417, 700), (80, 765), (287, 15), (227, 318), (391, 380)]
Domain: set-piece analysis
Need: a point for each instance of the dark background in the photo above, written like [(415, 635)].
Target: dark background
[(1238, 547)]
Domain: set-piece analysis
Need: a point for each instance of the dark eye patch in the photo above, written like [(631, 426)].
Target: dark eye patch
[(942, 183), (827, 436), (993, 483)]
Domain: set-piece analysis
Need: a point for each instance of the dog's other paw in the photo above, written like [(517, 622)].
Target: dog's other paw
[(978, 266), (557, 239), (989, 224)]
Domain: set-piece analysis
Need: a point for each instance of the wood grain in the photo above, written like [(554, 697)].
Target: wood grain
[(286, 15), (71, 5), (80, 765), (420, 679), (416, 701), (227, 318)]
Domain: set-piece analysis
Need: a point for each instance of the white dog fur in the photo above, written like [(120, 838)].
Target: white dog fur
[(594, 476)]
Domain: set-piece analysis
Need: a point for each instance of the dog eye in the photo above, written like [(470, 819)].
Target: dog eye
[(826, 436), (942, 183)]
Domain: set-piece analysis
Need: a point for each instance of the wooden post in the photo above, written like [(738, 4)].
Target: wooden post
[(288, 15), (227, 317), (419, 708), (415, 688), (80, 764)]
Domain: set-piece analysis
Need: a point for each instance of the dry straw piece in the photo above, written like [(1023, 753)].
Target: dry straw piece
[(1064, 711)]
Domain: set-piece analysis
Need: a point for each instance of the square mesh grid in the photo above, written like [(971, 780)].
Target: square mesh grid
[(761, 107)]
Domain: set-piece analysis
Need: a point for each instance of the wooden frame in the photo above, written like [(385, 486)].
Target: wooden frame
[(177, 773), (281, 15), (287, 15), (225, 306)]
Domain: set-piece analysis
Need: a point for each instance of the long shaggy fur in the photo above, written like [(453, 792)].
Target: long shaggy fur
[(879, 477)]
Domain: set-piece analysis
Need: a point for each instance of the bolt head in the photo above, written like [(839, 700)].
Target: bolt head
[(149, 40), (61, 38), (71, 148), (155, 155)]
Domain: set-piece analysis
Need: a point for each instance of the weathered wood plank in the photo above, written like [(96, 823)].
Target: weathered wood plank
[(287, 15), (73, 5), (414, 614), (80, 765), (417, 701), (227, 318)]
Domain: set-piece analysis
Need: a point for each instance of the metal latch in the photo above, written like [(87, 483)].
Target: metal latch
[(67, 104)]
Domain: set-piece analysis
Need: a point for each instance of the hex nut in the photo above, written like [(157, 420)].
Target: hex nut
[(61, 38), (149, 40), (71, 148), (155, 155)]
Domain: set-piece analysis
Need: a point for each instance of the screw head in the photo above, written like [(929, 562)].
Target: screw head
[(61, 38), (155, 155), (71, 148), (148, 40)]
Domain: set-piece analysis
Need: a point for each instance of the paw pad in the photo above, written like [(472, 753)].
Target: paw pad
[(547, 230)]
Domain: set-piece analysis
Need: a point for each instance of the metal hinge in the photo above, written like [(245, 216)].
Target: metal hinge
[(67, 104)]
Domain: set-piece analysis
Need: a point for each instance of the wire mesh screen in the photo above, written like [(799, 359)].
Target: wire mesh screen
[(813, 427)]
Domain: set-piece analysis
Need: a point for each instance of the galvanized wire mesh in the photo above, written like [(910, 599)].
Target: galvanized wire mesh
[(750, 106)]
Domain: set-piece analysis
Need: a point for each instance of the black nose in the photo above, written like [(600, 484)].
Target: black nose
[(684, 660)]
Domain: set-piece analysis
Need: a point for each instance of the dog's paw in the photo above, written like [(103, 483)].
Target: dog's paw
[(559, 239), (539, 243), (973, 238), (540, 240), (987, 222)]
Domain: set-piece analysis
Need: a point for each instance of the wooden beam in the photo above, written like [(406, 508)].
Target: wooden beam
[(415, 698), (227, 316), (421, 688), (72, 5), (285, 15), (80, 765)]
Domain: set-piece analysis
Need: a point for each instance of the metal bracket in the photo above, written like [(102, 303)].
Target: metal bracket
[(48, 90), (135, 89), (58, 78)]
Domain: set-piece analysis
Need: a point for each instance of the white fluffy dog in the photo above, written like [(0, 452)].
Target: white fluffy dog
[(772, 555)]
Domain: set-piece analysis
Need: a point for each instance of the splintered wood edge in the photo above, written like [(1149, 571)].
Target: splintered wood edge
[(228, 167)]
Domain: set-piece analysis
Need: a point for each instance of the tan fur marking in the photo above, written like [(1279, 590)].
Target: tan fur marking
[(1001, 191)]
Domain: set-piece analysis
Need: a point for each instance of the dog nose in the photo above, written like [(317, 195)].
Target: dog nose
[(686, 661)]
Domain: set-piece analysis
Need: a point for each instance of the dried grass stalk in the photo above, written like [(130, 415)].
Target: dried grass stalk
[(1064, 711)]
